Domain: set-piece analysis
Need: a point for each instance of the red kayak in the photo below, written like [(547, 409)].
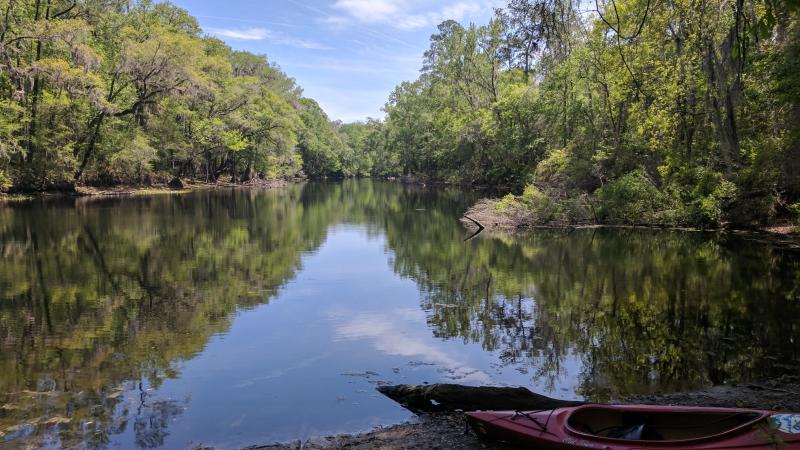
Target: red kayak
[(607, 427)]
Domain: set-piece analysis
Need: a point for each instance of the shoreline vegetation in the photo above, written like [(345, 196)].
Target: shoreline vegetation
[(633, 112), (173, 187), (493, 214)]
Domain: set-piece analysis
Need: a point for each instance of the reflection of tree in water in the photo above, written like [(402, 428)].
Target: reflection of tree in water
[(101, 292), (151, 424), (642, 309), (98, 294)]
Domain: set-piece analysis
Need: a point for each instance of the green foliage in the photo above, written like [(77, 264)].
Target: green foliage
[(700, 196), (106, 94), (5, 181), (535, 207), (706, 106), (134, 161), (320, 145), (631, 199), (794, 208), (11, 118)]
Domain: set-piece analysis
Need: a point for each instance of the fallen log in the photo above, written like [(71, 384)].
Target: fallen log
[(453, 397), (480, 228)]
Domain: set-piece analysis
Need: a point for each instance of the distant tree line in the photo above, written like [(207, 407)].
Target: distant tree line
[(119, 91)]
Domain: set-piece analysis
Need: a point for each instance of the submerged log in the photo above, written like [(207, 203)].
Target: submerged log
[(452, 397)]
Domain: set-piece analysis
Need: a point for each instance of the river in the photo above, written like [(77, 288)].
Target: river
[(238, 317)]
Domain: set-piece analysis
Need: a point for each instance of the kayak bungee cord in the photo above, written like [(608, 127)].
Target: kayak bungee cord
[(542, 426)]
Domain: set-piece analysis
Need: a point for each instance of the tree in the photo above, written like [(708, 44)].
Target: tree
[(119, 91)]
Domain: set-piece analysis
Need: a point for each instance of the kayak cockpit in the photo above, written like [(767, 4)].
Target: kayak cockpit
[(648, 425)]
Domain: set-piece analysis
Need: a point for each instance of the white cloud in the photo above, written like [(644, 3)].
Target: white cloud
[(389, 335), (460, 10), (249, 34), (368, 11), (403, 14), (261, 34)]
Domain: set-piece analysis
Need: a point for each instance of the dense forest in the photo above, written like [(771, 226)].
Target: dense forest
[(683, 112), (635, 111), (119, 91)]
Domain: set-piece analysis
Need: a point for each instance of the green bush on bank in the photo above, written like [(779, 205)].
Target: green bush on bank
[(795, 210), (5, 181), (550, 206), (632, 199)]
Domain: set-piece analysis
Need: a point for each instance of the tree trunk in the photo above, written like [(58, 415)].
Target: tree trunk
[(36, 91), (87, 154), (725, 90)]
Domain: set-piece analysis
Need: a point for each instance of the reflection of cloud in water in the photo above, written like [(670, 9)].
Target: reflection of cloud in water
[(277, 373), (391, 334)]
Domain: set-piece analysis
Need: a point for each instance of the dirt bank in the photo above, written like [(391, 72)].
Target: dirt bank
[(448, 431), (486, 213)]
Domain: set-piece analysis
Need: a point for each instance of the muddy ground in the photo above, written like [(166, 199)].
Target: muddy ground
[(448, 431)]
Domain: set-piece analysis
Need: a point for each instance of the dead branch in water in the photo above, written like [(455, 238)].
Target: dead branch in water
[(480, 228)]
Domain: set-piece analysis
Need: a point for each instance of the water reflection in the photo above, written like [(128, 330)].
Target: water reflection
[(643, 309), (388, 333), (104, 302)]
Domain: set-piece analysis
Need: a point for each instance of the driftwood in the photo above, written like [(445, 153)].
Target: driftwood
[(452, 397), (480, 228)]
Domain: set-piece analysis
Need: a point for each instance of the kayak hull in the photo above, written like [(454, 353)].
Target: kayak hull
[(560, 429)]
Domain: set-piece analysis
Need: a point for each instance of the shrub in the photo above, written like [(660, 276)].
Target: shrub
[(532, 202), (5, 181), (632, 199), (700, 196), (553, 167), (794, 208), (537, 206)]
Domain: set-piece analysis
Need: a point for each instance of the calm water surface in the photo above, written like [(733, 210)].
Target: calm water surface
[(233, 318)]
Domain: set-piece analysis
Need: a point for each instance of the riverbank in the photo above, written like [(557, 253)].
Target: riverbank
[(124, 190), (432, 431), (486, 212), (448, 430)]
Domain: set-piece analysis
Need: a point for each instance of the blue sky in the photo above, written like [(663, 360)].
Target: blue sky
[(346, 54)]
